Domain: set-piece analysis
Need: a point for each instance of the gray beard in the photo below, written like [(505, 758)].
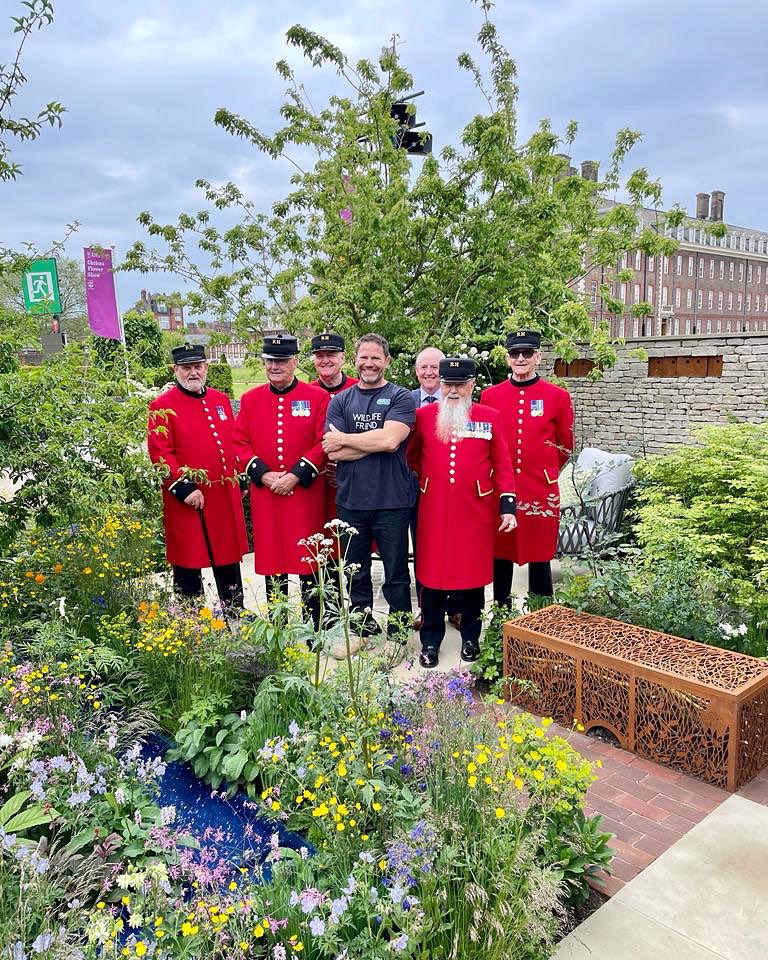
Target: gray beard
[(451, 417)]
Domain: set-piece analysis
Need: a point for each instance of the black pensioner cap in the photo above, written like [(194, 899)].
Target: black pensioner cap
[(188, 354), (524, 338), (280, 347), (328, 341), (457, 369)]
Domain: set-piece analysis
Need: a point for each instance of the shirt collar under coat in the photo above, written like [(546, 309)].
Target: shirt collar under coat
[(524, 383), (288, 389), (338, 386), (192, 393)]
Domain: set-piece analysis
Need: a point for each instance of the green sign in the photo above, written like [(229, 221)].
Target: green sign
[(41, 288)]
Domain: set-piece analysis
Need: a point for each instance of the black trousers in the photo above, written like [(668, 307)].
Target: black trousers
[(389, 528), (309, 597), (539, 580), (453, 605), (433, 606), (188, 581)]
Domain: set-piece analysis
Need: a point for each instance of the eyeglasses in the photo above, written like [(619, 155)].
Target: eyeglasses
[(526, 352)]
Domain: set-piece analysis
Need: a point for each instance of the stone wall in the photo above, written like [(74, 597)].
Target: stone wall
[(632, 412)]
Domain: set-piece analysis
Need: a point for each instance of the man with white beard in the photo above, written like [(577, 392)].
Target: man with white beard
[(460, 455)]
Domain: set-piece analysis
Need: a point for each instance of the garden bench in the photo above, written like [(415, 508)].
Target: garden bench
[(697, 708), (594, 492)]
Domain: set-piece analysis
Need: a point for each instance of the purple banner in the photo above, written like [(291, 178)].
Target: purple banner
[(101, 302)]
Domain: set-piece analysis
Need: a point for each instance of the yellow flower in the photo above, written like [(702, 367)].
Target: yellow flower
[(189, 929), (471, 767), (500, 813), (96, 704), (472, 781), (233, 885), (206, 613), (87, 570), (258, 931), (141, 948)]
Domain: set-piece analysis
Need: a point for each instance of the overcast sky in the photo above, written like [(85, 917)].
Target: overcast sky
[(141, 82)]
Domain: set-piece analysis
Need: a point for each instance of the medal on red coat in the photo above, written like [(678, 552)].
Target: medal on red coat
[(537, 408), (221, 412), (300, 408)]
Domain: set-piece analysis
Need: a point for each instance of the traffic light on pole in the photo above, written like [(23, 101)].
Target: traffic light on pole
[(407, 136)]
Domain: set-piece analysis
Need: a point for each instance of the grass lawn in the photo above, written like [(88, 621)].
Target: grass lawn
[(243, 378)]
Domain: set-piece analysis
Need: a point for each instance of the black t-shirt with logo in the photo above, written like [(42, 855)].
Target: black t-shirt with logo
[(378, 481)]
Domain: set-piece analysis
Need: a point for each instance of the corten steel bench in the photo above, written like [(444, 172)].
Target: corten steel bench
[(684, 704)]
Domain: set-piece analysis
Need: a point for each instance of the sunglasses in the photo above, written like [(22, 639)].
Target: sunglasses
[(526, 352)]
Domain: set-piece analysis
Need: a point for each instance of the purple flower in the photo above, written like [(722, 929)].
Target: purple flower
[(42, 943), (406, 769), (338, 908), (293, 729), (317, 926), (400, 943), (17, 951), (60, 763), (78, 797)]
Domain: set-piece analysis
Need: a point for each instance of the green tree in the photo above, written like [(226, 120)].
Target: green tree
[(143, 344), (35, 14), (74, 320), (428, 249)]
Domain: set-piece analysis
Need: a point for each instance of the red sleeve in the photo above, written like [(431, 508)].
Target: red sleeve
[(415, 445), (315, 456), (503, 474)]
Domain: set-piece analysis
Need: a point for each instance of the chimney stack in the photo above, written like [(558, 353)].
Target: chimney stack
[(566, 170), (716, 211), (589, 170), (702, 206)]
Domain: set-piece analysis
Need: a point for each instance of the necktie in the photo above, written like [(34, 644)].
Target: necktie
[(429, 399)]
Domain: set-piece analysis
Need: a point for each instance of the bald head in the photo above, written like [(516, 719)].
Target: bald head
[(428, 369)]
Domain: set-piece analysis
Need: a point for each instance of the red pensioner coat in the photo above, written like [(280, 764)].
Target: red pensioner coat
[(461, 482), (538, 424), (196, 432), (281, 429)]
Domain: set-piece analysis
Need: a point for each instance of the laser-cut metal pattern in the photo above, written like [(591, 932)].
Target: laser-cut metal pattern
[(700, 709)]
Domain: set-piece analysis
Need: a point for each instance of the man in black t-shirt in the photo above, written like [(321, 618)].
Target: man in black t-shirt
[(368, 430)]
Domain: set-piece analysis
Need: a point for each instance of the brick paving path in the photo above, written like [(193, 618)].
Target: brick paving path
[(647, 806)]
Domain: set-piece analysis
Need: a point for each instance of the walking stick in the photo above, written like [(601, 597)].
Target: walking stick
[(206, 538)]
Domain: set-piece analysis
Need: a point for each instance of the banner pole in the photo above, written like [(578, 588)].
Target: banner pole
[(120, 316)]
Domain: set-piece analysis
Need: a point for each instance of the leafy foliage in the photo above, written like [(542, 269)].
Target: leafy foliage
[(72, 441), (487, 234), (34, 15), (143, 344), (711, 497)]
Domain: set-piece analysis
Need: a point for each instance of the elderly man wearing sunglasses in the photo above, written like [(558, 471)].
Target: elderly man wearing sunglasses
[(538, 423)]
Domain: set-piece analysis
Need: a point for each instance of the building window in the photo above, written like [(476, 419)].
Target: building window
[(711, 269), (690, 266), (741, 272), (699, 299), (593, 291), (665, 296), (748, 244), (689, 298), (688, 325), (701, 266), (759, 273), (739, 303), (677, 297), (635, 328), (730, 299), (651, 264), (749, 273), (722, 269), (765, 303), (650, 293), (666, 264), (637, 293), (622, 327), (679, 266), (719, 326), (623, 293), (730, 270), (638, 260), (749, 303), (709, 326), (624, 261), (720, 300), (709, 300)]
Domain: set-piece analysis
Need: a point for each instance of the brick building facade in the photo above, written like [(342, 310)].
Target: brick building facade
[(169, 315), (711, 285)]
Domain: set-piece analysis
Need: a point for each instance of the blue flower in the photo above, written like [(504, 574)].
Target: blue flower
[(42, 943), (317, 926), (406, 769), (400, 943)]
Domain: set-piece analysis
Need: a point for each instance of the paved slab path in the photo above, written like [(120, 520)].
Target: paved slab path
[(703, 899)]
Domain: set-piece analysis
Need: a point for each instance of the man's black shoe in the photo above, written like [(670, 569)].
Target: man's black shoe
[(470, 652), (428, 658)]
